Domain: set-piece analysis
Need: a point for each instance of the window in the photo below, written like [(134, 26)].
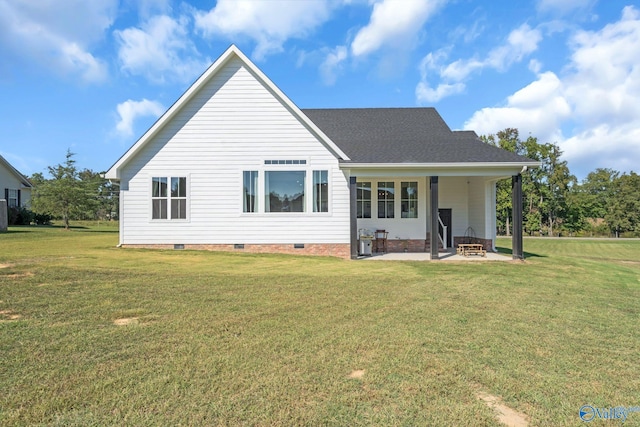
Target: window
[(179, 198), (363, 198), (250, 185), (409, 200), (284, 191), (320, 191), (285, 162), (162, 199), (386, 197), (13, 198), (159, 198)]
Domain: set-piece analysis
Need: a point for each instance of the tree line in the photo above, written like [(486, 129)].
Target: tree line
[(605, 203)]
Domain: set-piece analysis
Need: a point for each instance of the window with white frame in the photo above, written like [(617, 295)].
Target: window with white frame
[(409, 199), (284, 190), (320, 191), (13, 198), (386, 199), (249, 191), (363, 199), (169, 198)]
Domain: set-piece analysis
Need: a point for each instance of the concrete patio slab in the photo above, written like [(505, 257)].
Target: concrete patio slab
[(444, 256)]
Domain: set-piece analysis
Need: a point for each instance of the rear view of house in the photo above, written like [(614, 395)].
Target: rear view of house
[(235, 165)]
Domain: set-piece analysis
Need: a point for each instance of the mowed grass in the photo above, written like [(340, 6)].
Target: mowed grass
[(240, 339)]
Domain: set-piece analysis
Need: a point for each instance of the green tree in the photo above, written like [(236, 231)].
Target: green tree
[(65, 195), (623, 213), (597, 188)]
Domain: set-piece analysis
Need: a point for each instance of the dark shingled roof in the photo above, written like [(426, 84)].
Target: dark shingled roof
[(403, 135)]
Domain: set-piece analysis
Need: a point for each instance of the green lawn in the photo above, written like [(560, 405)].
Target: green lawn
[(240, 339)]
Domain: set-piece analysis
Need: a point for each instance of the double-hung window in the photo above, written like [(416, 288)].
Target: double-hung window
[(363, 199), (13, 198), (386, 199), (409, 199), (169, 202)]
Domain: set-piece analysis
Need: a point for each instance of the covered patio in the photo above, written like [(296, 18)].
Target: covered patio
[(459, 205)]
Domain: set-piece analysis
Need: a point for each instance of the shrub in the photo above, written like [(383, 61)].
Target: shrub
[(20, 216), (42, 219)]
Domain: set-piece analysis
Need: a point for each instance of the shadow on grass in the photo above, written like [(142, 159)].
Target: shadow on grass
[(509, 252)]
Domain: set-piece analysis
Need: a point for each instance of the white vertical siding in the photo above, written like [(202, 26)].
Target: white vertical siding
[(233, 124)]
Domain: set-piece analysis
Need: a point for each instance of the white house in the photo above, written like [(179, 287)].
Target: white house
[(15, 186), (234, 164)]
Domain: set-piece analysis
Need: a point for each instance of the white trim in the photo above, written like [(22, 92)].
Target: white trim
[(377, 170), (231, 52)]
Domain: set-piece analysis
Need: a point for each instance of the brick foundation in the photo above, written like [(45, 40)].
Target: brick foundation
[(406, 245), (340, 250)]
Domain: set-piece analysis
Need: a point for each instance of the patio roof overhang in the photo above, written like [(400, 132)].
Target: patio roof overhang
[(489, 169)]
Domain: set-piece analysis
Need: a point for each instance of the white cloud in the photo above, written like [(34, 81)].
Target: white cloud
[(269, 23), (130, 110), (595, 101), (538, 108), (58, 34), (332, 64), (521, 42), (160, 50), (425, 93), (393, 24)]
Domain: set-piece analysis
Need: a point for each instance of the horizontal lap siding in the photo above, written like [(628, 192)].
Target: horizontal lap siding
[(452, 193), (477, 196), (233, 124)]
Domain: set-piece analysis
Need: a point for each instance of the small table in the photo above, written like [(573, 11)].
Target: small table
[(467, 249)]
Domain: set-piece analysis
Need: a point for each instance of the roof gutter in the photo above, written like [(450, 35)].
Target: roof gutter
[(523, 165)]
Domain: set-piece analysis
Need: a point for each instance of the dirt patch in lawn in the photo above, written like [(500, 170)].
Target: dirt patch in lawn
[(126, 321), (5, 265), (9, 315), (358, 373), (19, 275), (507, 416)]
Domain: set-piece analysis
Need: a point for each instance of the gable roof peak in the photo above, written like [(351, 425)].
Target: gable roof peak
[(231, 52)]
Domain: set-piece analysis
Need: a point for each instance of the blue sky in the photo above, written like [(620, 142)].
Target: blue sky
[(92, 76)]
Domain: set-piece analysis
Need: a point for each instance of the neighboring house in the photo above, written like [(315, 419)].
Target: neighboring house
[(235, 165), (15, 187)]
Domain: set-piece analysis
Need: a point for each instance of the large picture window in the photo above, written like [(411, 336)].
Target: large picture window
[(249, 191), (386, 199), (284, 191), (169, 202), (320, 191), (363, 199), (409, 200)]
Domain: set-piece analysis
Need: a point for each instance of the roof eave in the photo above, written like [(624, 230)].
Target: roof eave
[(452, 165)]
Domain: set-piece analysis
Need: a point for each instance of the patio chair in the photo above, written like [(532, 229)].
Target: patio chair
[(381, 240)]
